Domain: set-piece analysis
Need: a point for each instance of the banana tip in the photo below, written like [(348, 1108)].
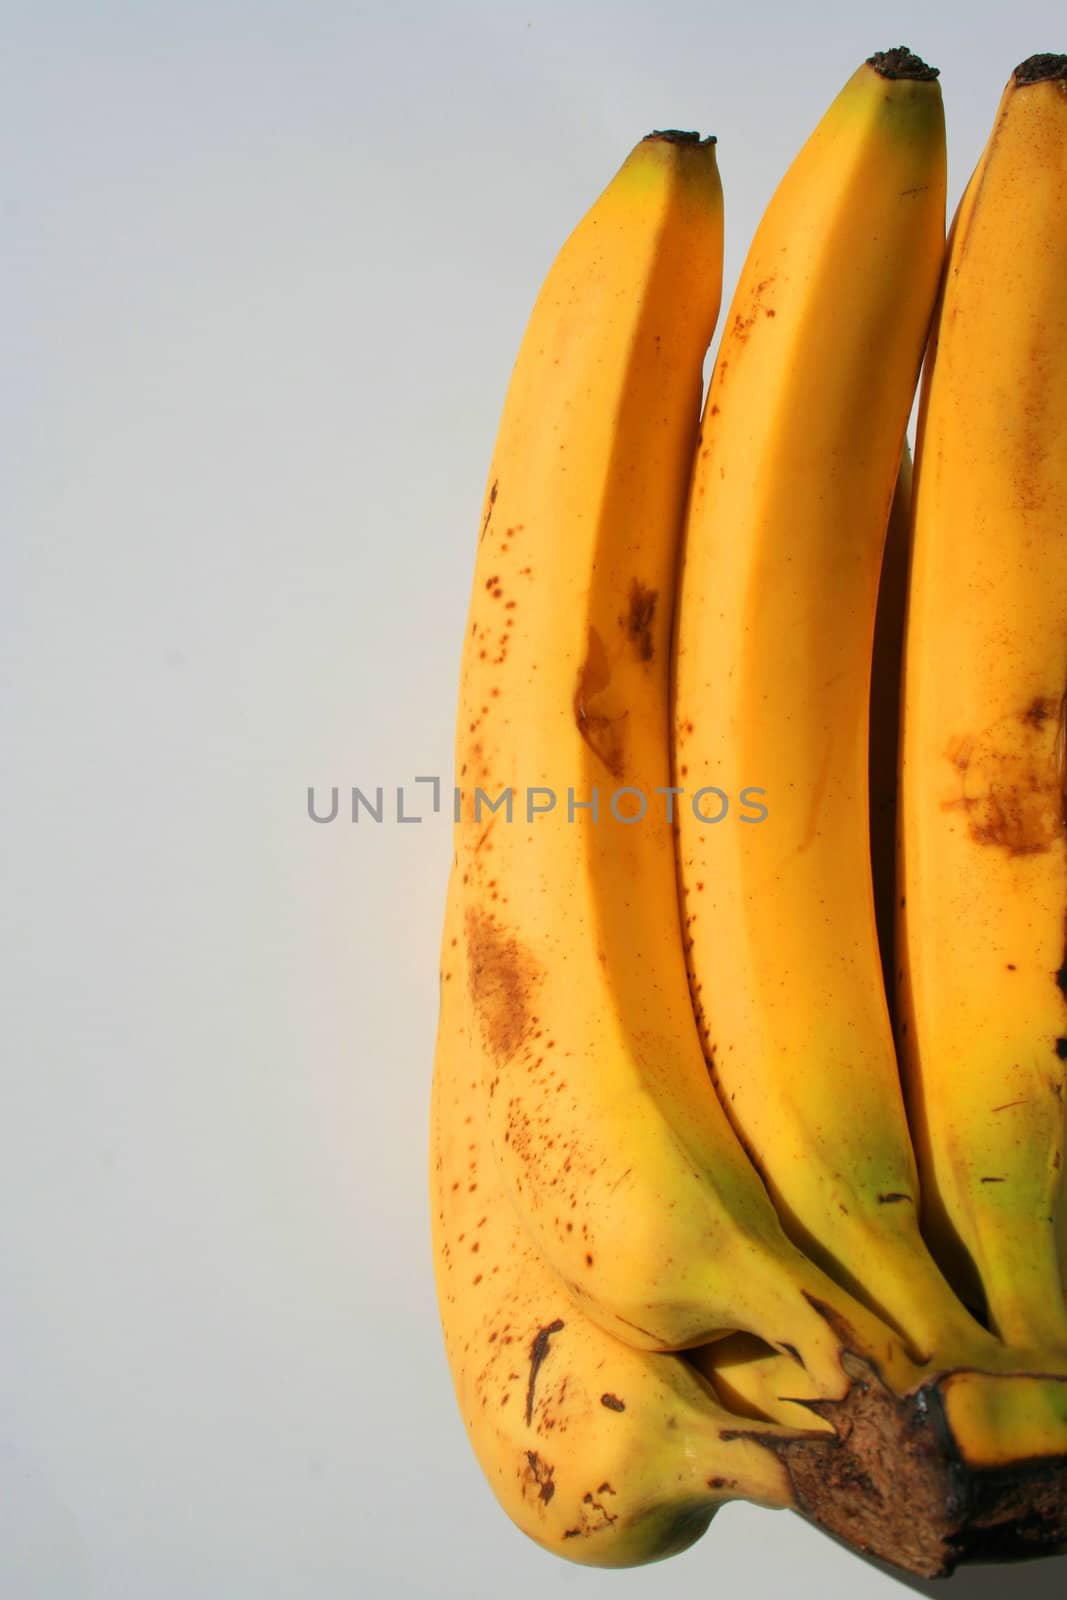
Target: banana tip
[(679, 136), (902, 63), (1041, 69)]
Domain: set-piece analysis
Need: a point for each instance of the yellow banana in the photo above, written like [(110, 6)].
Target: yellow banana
[(587, 1182), (983, 865), (801, 439), (605, 1455), (610, 1140)]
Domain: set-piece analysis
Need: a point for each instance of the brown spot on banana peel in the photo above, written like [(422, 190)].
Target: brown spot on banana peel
[(742, 325), (1039, 711), (536, 1478), (1012, 780), (489, 509), (594, 1516), (503, 980), (603, 733), (637, 621), (538, 1352), (597, 1508)]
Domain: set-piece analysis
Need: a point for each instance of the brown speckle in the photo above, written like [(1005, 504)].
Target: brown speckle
[(537, 1478), (612, 1402), (489, 509), (1039, 711), (637, 622)]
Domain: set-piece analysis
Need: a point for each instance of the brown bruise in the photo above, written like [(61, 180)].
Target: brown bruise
[(636, 621), (535, 1476), (602, 733), (504, 978), (538, 1352), (1011, 779)]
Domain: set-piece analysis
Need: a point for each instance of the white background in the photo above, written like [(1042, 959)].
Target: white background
[(266, 267)]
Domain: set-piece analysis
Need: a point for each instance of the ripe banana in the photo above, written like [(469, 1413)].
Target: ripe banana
[(609, 1138), (603, 1454), (800, 444), (983, 853), (594, 1208)]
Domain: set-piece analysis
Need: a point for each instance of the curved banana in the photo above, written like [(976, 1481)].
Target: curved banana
[(605, 1455), (610, 1140), (983, 864), (802, 435)]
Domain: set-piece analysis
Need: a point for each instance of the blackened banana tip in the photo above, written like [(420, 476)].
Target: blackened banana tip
[(1041, 69), (902, 63), (679, 136)]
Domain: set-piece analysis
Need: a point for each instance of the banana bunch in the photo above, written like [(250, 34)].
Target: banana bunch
[(748, 1109)]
